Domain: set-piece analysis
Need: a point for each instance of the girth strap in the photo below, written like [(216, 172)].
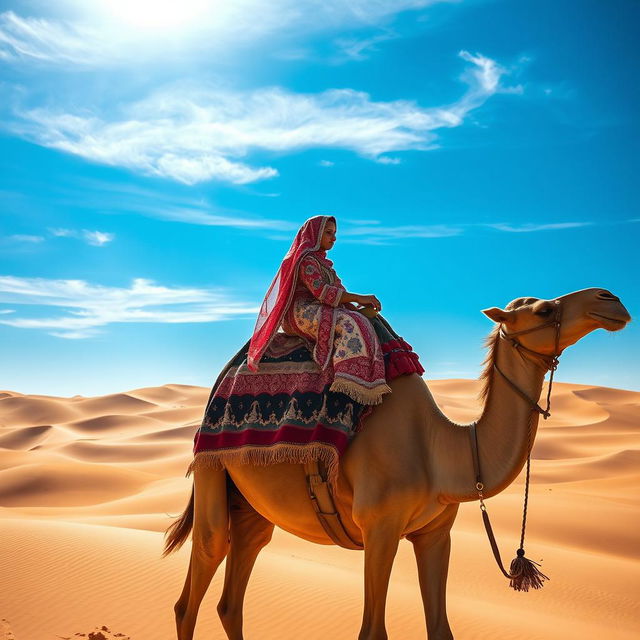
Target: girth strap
[(325, 508)]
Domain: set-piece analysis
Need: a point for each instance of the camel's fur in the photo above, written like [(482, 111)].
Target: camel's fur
[(404, 475)]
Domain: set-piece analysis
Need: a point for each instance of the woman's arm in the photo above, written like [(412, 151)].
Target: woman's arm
[(316, 281), (365, 301)]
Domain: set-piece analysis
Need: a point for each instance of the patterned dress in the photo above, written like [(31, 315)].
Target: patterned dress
[(340, 336)]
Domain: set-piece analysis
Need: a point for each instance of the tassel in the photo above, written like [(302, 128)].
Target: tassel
[(524, 573)]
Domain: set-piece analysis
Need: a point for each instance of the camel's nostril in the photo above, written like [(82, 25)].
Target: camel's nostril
[(607, 295)]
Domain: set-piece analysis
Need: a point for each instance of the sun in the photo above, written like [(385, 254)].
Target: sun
[(156, 15)]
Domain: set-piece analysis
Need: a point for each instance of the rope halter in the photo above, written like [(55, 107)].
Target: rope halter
[(550, 361), (523, 573)]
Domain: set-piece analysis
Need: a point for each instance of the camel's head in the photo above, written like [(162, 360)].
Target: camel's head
[(580, 313)]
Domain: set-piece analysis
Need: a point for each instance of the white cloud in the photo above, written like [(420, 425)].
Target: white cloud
[(97, 238), (376, 234), (486, 71), (192, 134), (94, 238), (326, 163), (52, 41), (98, 35), (483, 78), (359, 48), (86, 307), (153, 203), (201, 215), (62, 233), (388, 160), (372, 232), (18, 237), (529, 227)]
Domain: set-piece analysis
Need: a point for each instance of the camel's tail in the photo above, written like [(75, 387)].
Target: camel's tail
[(178, 532)]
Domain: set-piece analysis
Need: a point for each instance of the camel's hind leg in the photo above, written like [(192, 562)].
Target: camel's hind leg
[(250, 532), (209, 547)]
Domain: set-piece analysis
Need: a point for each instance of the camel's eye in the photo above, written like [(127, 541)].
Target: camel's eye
[(545, 312)]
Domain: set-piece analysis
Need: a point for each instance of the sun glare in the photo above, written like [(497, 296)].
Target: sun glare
[(157, 15)]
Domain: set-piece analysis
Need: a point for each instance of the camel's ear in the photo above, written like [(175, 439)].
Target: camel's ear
[(499, 315)]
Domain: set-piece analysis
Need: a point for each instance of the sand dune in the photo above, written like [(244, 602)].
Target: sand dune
[(24, 438), (87, 486), (106, 423)]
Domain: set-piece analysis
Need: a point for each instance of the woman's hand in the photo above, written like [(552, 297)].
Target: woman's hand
[(369, 301), (364, 301)]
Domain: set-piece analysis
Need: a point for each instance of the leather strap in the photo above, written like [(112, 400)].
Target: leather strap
[(474, 450), (534, 405), (325, 508), (551, 360), (473, 436)]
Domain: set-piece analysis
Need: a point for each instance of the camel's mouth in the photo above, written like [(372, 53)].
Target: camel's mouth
[(609, 323)]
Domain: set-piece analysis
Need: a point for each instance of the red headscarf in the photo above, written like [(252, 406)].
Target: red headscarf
[(280, 292)]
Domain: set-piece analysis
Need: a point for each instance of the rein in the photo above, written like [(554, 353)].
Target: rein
[(523, 573)]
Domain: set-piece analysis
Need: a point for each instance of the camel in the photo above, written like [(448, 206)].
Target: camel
[(404, 475)]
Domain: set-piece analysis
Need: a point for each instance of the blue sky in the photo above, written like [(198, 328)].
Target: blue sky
[(156, 159)]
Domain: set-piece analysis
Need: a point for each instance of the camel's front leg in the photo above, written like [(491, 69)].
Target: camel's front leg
[(380, 547), (432, 548)]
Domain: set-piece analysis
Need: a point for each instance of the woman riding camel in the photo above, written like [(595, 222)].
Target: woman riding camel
[(307, 299)]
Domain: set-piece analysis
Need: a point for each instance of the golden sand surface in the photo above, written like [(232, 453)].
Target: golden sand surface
[(89, 484)]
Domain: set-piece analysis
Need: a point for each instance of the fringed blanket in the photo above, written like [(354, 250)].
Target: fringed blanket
[(285, 412)]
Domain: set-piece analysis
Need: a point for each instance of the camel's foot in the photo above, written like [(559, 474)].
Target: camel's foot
[(231, 622), (373, 630), (379, 634), (443, 633), (179, 610)]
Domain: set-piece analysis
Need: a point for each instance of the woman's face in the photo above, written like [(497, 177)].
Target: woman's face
[(328, 236)]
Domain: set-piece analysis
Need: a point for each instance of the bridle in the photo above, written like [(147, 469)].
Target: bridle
[(550, 361), (523, 573)]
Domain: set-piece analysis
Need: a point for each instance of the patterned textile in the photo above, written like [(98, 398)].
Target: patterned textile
[(287, 411), (399, 357), (339, 333), (278, 296)]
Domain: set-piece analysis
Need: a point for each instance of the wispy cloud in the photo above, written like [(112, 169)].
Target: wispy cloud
[(483, 77), (193, 134), (19, 237), (94, 238), (85, 307), (124, 198), (380, 234), (358, 49), (53, 41), (529, 227), (104, 36), (372, 232)]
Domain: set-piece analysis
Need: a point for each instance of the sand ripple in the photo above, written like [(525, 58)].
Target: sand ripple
[(87, 485)]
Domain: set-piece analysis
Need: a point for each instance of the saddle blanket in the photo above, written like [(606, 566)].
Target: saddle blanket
[(285, 412)]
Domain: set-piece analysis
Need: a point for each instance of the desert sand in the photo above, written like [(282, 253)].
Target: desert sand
[(89, 484)]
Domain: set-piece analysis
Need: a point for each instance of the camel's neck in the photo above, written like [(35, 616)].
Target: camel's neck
[(504, 430)]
